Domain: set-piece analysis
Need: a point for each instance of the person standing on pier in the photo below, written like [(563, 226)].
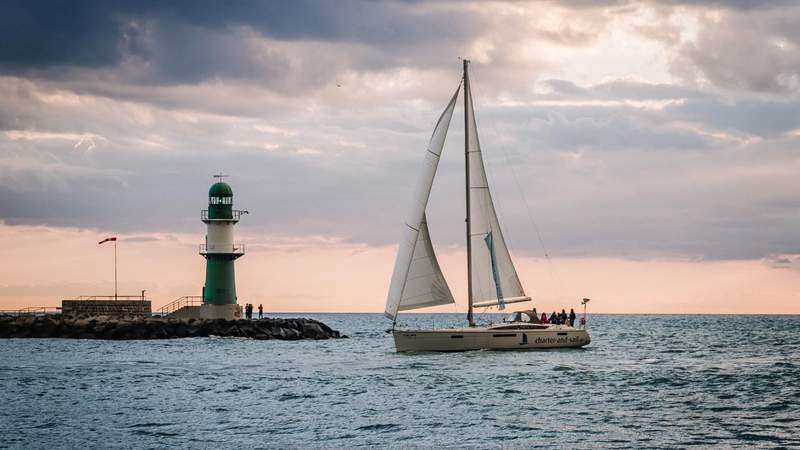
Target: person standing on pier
[(260, 311)]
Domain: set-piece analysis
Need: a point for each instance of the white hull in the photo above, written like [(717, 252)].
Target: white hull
[(478, 338)]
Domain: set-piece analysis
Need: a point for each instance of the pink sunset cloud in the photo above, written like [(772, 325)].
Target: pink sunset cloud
[(313, 275)]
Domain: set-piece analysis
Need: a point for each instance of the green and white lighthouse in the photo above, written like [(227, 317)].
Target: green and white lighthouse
[(220, 251)]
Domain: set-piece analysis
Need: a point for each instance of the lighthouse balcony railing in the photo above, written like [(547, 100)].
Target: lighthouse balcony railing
[(235, 249), (236, 214)]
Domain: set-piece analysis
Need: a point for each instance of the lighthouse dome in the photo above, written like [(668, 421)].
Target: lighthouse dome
[(220, 189)]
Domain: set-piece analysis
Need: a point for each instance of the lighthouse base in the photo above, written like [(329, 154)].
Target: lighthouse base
[(227, 312)]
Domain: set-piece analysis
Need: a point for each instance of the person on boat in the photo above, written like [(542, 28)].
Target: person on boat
[(261, 311), (563, 317), (572, 317), (534, 315), (554, 318), (544, 318)]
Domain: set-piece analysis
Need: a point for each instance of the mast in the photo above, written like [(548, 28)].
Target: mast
[(467, 97)]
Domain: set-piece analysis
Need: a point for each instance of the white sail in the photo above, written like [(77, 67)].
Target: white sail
[(417, 280), (494, 277), (425, 284)]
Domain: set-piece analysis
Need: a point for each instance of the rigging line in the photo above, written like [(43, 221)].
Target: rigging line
[(528, 209), (550, 265)]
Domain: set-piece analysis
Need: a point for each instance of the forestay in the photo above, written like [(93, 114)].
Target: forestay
[(417, 279), (494, 277)]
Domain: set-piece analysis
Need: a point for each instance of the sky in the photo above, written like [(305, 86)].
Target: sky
[(643, 154)]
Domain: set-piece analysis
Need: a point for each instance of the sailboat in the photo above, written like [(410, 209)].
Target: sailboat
[(417, 279)]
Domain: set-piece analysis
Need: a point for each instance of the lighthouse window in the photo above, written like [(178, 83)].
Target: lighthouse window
[(220, 200)]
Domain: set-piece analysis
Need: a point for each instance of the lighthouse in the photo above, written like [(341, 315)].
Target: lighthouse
[(220, 252)]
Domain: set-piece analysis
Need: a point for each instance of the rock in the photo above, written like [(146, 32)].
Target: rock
[(104, 327), (278, 333), (292, 334), (314, 331)]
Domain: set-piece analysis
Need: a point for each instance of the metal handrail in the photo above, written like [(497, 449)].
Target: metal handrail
[(236, 214), (186, 300), (33, 311), (110, 297), (237, 249)]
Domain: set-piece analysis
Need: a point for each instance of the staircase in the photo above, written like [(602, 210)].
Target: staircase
[(182, 305)]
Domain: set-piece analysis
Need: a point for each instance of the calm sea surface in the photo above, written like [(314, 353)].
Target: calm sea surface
[(645, 381)]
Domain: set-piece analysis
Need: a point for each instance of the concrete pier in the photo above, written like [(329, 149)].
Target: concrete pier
[(106, 307)]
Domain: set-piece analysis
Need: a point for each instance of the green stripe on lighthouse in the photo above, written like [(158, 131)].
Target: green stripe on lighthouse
[(220, 280)]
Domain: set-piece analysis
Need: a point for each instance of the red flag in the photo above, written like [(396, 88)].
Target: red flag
[(108, 239)]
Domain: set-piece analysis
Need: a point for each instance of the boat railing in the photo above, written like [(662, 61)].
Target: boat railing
[(186, 300)]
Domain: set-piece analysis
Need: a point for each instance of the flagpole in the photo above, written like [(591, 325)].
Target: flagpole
[(115, 269)]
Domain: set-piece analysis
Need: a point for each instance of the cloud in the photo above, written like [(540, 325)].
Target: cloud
[(629, 89), (779, 261), (755, 49), (42, 34), (623, 140), (179, 42)]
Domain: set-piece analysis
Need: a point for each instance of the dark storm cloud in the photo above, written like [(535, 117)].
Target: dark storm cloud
[(184, 39), (190, 41), (40, 34)]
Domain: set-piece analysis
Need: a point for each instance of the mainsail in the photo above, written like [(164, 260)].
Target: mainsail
[(494, 278), (417, 280)]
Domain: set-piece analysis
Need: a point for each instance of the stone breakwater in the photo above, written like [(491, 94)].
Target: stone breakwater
[(56, 326)]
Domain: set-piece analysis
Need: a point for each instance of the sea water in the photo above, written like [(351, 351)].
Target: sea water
[(645, 381)]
